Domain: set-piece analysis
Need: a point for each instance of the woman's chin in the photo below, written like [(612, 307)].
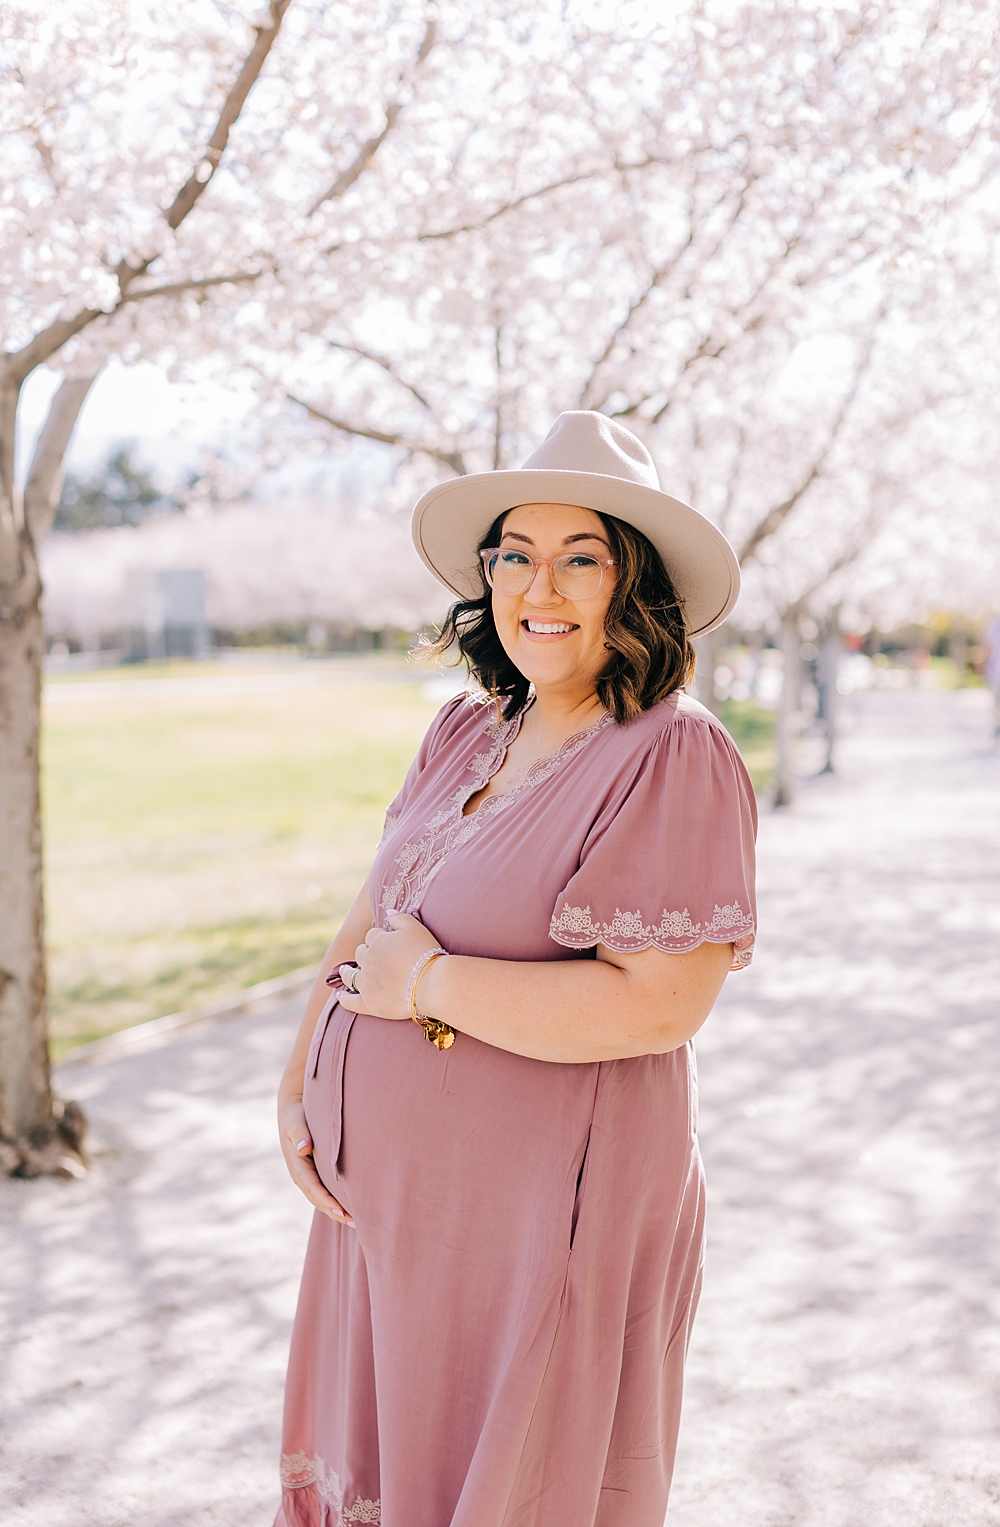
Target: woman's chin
[(550, 667)]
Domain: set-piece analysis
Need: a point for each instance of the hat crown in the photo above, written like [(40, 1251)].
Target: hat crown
[(584, 441)]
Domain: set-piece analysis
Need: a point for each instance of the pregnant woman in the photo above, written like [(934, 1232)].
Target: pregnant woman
[(505, 1262)]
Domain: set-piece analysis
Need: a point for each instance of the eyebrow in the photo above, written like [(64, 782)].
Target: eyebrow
[(567, 540)]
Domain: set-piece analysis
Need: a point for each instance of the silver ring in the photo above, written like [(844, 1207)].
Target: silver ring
[(352, 984)]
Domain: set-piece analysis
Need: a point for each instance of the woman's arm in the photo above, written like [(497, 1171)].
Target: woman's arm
[(616, 1006), (296, 1144)]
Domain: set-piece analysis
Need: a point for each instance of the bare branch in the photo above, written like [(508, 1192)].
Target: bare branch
[(452, 459), (509, 206), (621, 167), (196, 182), (19, 363), (775, 518), (366, 153), (658, 276), (174, 288), (45, 476), (862, 540), (387, 366)]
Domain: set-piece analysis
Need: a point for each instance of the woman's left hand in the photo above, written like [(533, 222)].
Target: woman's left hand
[(385, 962)]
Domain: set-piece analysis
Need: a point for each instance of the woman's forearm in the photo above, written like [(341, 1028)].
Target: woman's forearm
[(341, 949), (579, 1010)]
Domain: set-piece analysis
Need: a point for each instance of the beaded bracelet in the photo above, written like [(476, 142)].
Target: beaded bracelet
[(440, 1034)]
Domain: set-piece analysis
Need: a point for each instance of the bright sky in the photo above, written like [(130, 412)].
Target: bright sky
[(170, 422)]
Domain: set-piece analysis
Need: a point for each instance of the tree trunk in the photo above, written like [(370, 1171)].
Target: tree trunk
[(709, 649), (38, 1135), (830, 645), (784, 773)]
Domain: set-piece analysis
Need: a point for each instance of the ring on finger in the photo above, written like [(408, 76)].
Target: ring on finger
[(352, 980)]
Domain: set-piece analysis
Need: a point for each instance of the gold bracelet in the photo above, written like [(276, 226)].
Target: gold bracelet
[(440, 1034)]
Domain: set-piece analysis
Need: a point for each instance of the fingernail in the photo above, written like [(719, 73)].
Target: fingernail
[(301, 1144)]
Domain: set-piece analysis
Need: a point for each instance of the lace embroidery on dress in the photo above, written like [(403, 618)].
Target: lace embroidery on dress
[(675, 933), (419, 859), (299, 1471)]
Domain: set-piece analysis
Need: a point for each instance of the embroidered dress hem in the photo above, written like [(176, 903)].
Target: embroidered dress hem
[(312, 1496)]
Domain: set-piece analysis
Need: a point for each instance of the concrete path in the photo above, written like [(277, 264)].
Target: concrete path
[(845, 1362)]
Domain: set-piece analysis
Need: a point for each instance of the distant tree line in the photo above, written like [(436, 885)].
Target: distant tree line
[(118, 492)]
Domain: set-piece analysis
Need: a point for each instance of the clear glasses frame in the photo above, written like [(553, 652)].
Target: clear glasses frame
[(568, 572)]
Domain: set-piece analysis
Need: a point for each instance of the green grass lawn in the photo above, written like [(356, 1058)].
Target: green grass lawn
[(197, 843), (752, 728)]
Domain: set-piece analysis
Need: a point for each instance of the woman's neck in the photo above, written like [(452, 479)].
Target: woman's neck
[(556, 715)]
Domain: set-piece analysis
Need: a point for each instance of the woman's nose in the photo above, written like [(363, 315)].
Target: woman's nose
[(542, 593)]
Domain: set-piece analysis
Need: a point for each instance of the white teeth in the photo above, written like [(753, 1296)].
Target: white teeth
[(546, 630)]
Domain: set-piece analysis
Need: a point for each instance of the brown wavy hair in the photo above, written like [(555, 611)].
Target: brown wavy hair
[(649, 652)]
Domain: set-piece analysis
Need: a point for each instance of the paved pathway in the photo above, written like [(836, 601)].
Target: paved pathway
[(845, 1362)]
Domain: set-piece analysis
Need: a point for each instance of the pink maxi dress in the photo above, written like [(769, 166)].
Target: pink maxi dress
[(500, 1342)]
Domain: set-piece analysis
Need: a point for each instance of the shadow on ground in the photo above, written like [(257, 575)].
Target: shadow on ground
[(149, 1306), (844, 1365), (845, 1361)]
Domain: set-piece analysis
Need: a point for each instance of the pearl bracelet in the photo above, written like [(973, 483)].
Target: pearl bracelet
[(440, 1034)]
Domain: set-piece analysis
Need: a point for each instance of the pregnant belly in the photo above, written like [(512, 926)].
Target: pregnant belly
[(475, 1146)]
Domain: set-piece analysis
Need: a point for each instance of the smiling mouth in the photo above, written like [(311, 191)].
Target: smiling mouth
[(548, 627)]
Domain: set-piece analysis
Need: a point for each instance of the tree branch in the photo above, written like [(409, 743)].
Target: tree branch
[(366, 153), (193, 187), (174, 288), (380, 360), (636, 304), (452, 459), (862, 540), (508, 206), (775, 518), (18, 364), (45, 476), (658, 277)]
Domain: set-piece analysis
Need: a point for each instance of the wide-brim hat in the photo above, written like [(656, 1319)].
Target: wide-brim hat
[(589, 460)]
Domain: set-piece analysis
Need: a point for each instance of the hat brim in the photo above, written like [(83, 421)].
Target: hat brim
[(450, 521)]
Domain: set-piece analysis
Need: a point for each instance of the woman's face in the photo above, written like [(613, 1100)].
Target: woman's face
[(554, 641)]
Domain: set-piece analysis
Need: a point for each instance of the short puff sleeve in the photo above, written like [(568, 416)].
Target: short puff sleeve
[(669, 862)]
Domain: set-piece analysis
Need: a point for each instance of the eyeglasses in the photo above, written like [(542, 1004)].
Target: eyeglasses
[(575, 575)]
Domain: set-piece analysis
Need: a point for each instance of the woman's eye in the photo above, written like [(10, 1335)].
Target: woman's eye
[(581, 561), (513, 559)]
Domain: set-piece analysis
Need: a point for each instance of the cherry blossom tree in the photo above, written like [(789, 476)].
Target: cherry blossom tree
[(762, 193), (435, 233), (726, 174), (157, 170), (165, 184)]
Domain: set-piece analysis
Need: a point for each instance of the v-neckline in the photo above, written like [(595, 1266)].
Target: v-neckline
[(419, 859), (506, 732)]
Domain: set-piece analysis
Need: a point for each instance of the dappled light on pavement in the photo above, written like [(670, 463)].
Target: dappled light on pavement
[(844, 1364)]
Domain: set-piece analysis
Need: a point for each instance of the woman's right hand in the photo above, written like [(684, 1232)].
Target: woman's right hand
[(297, 1149)]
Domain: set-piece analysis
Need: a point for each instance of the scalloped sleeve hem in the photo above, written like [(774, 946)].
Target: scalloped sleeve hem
[(675, 933), (669, 861)]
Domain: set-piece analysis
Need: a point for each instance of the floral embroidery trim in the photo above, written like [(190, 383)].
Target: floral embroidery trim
[(419, 859), (298, 1471), (675, 933)]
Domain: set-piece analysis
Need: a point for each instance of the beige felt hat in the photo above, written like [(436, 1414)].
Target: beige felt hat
[(589, 460)]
